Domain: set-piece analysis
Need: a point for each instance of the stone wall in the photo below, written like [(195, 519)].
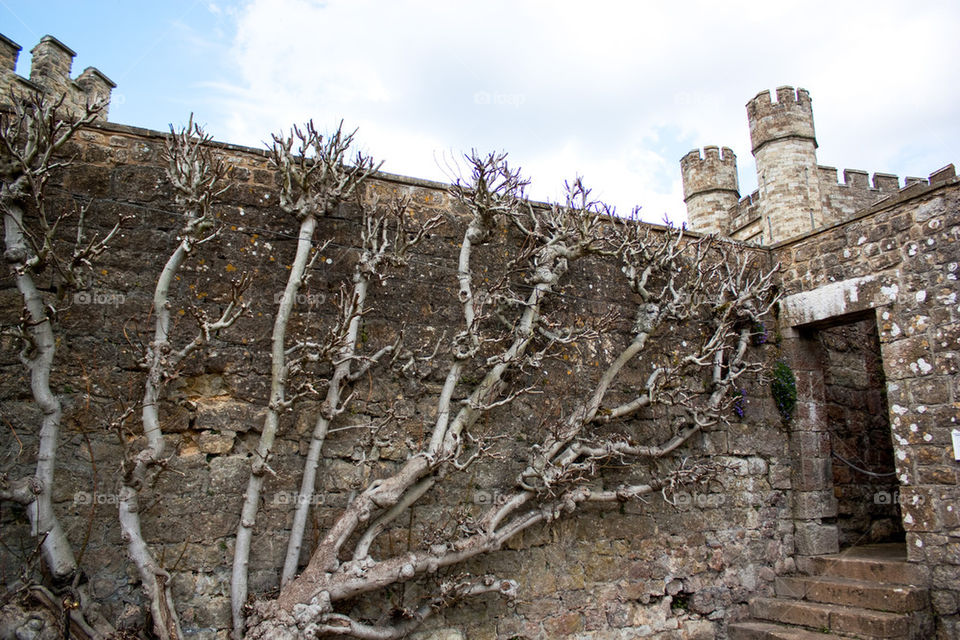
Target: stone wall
[(648, 568), (50, 70), (864, 477), (898, 264)]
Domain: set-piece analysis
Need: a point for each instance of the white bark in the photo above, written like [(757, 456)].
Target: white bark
[(277, 403), (38, 357), (310, 187), (329, 410), (156, 581), (194, 175), (676, 281)]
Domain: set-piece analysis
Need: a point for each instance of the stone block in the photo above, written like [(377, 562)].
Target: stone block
[(813, 474), (811, 505), (814, 539)]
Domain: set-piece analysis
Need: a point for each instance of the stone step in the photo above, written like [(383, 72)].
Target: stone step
[(831, 618), (897, 598), (768, 631), (867, 569)]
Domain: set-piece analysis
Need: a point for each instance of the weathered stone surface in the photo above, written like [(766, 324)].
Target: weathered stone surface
[(641, 569)]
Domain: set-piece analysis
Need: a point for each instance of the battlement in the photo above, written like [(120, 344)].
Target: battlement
[(791, 116), (714, 169), (857, 191), (856, 179), (795, 195), (50, 73), (9, 52)]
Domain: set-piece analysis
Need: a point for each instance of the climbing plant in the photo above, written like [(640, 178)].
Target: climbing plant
[(783, 387)]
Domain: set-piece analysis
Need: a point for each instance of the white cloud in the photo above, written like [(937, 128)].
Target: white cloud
[(615, 91)]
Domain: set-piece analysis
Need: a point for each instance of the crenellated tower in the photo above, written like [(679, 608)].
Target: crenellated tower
[(785, 147), (710, 188), (50, 69)]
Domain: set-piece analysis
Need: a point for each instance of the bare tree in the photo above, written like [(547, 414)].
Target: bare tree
[(32, 133), (386, 236), (315, 181), (695, 303), (509, 328), (197, 179)]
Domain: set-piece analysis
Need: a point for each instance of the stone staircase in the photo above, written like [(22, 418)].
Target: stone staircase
[(865, 592)]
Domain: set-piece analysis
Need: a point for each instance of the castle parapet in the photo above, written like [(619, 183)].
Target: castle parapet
[(50, 69), (791, 116), (710, 188), (886, 182), (715, 169)]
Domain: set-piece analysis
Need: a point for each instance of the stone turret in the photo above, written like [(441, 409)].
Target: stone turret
[(710, 188), (785, 147), (50, 69)]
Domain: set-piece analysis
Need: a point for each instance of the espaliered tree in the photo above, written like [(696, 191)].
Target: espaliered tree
[(197, 179), (662, 368), (509, 327), (47, 270), (315, 180), (386, 235)]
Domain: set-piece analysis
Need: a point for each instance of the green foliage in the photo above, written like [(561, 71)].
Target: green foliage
[(783, 387), (680, 602)]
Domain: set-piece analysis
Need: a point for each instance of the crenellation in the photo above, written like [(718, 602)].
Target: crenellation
[(96, 87), (826, 175), (886, 182), (945, 174), (796, 195), (856, 179), (50, 68), (9, 53), (791, 116), (745, 221), (51, 64), (710, 187)]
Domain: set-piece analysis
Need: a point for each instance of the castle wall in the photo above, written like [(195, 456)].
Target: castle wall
[(899, 262), (50, 70), (648, 569), (842, 200), (641, 568)]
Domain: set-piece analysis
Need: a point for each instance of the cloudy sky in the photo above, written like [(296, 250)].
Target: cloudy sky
[(615, 92)]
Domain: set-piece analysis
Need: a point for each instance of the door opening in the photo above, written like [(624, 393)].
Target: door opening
[(863, 469)]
